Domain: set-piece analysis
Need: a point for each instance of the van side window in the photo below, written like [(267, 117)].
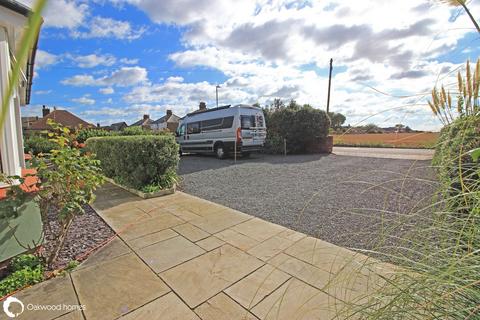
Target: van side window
[(247, 122), (227, 122), (212, 124), (193, 127)]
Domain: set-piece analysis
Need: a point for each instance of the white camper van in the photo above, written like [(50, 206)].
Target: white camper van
[(221, 129)]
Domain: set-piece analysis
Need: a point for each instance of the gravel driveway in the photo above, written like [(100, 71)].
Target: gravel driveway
[(341, 199)]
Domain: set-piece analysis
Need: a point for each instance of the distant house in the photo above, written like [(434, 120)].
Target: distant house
[(146, 122), (119, 126), (168, 121), (28, 121), (63, 117)]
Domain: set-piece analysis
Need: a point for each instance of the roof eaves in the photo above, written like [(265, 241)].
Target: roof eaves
[(16, 6)]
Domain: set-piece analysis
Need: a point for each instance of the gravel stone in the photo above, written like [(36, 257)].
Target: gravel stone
[(87, 231), (348, 201)]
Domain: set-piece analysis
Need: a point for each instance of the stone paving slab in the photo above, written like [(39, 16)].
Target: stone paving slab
[(181, 257), (210, 243), (113, 288), (152, 238), (112, 249), (57, 291), (191, 232), (223, 307), (252, 289), (258, 229), (168, 307), (203, 277), (152, 225), (169, 253), (296, 300), (237, 239)]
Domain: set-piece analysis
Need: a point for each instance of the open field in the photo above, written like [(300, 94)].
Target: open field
[(397, 140)]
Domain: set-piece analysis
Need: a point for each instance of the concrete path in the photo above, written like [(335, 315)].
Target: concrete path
[(389, 153), (181, 257)]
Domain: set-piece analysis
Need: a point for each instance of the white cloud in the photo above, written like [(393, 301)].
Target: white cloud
[(81, 80), (93, 60), (123, 77), (282, 50), (175, 79), (99, 27), (43, 91), (108, 90), (44, 59), (129, 61), (85, 100), (62, 13)]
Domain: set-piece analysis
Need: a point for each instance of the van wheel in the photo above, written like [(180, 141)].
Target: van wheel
[(220, 151), (180, 153)]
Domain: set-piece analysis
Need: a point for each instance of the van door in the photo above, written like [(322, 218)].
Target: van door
[(193, 137), (181, 136), (253, 130)]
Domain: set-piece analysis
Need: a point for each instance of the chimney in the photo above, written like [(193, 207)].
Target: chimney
[(146, 117), (45, 111), (202, 106), (169, 113)]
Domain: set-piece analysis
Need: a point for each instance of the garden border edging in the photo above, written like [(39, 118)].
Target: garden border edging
[(144, 195)]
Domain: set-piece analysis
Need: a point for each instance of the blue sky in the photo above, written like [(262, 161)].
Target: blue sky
[(115, 60)]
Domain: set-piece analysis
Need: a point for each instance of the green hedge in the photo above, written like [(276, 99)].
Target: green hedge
[(138, 161), (84, 134), (302, 126), (454, 163), (39, 144)]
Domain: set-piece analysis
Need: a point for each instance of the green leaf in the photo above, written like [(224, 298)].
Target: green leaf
[(475, 153)]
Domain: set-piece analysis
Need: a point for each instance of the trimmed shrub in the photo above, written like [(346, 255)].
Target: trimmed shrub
[(84, 134), (137, 161), (141, 131), (302, 126), (39, 144)]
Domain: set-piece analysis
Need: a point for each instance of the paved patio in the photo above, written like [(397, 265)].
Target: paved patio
[(182, 257)]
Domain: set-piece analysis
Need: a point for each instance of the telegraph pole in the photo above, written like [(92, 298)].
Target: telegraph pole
[(329, 86), (216, 93)]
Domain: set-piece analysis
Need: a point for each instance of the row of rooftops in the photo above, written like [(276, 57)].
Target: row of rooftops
[(70, 120)]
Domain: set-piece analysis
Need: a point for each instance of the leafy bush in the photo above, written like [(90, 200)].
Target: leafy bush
[(456, 168), (137, 161), (39, 144), (301, 126), (84, 134), (26, 270), (25, 261)]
